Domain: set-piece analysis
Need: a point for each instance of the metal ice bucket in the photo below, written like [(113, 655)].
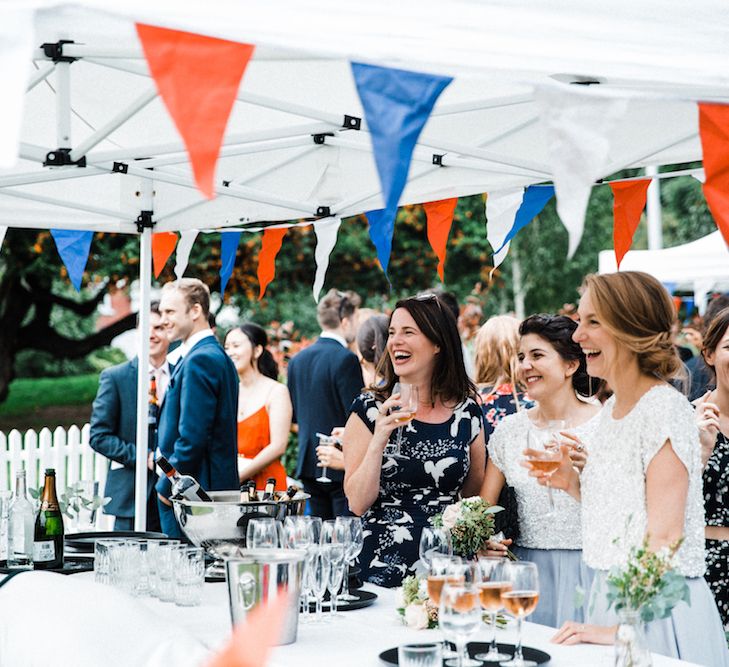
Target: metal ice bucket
[(258, 576)]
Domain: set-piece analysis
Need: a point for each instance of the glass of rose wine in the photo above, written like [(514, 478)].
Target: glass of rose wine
[(545, 456), (406, 412), (520, 601), (490, 587)]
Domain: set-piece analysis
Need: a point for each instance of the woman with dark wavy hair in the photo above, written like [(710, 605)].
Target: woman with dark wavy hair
[(442, 444), (552, 367), (264, 407), (642, 481)]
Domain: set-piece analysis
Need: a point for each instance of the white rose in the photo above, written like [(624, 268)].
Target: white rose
[(450, 515), (416, 616), (472, 499)]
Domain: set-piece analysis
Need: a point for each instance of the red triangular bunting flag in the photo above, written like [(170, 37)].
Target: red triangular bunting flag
[(163, 245), (714, 131), (440, 218), (198, 78), (628, 204), (272, 240)]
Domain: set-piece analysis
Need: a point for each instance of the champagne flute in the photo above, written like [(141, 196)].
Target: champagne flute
[(325, 439), (336, 574), (490, 587), (546, 457), (459, 615), (319, 577), (354, 542), (405, 413), (520, 601), (434, 541)]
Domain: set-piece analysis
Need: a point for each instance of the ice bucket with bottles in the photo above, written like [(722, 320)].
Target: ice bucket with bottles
[(257, 576)]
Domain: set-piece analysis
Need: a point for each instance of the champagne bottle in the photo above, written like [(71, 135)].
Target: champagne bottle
[(183, 485), (252, 495), (48, 537), (21, 522), (270, 489), (290, 493)]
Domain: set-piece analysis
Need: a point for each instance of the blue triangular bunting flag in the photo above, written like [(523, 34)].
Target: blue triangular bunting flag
[(534, 201), (73, 247), (396, 103), (228, 248)]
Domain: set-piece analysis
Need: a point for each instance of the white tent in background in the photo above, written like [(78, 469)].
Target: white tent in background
[(701, 266), (297, 145)]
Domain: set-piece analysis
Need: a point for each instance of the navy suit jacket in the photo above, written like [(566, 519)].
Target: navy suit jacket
[(198, 422), (114, 434), (323, 380)]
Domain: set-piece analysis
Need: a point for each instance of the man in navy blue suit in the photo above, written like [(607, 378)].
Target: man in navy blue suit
[(324, 379), (198, 419), (114, 427)]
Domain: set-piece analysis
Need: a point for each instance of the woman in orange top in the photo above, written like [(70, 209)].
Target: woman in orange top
[(264, 407)]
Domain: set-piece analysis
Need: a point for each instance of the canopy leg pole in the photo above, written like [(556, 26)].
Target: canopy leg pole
[(145, 285), (653, 210)]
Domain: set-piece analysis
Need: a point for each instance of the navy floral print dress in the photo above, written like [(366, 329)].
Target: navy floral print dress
[(716, 504), (415, 489)]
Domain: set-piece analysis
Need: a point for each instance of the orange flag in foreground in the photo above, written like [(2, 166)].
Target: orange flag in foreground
[(272, 240), (628, 204), (440, 218), (714, 131), (198, 78), (252, 641), (163, 245)]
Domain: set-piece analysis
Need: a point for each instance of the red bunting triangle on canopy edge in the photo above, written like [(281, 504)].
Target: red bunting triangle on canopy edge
[(163, 245), (628, 204), (198, 79), (439, 215), (272, 240), (714, 132)]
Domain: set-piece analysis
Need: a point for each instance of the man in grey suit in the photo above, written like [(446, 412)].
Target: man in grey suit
[(114, 424)]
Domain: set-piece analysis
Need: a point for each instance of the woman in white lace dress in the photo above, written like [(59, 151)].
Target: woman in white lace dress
[(643, 474), (552, 366)]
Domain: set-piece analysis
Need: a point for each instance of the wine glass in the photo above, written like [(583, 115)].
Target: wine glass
[(296, 532), (315, 527), (336, 574), (459, 615), (520, 601), (263, 533), (492, 584), (320, 566), (354, 541), (405, 413), (434, 541), (545, 456), (325, 439)]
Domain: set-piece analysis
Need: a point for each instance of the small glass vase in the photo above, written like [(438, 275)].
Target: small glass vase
[(631, 648)]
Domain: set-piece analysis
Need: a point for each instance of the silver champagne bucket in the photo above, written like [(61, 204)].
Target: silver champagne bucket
[(257, 576)]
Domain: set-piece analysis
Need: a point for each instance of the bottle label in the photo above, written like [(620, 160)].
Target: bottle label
[(44, 551)]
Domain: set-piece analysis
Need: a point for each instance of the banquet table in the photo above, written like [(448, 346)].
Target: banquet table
[(355, 638)]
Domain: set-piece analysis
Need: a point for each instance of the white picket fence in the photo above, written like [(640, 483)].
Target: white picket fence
[(68, 451)]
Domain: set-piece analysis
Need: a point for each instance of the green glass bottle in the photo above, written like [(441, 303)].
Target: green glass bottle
[(48, 535)]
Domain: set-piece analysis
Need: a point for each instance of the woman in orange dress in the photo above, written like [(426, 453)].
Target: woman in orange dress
[(264, 407)]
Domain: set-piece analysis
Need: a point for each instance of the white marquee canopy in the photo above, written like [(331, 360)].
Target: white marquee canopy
[(297, 144)]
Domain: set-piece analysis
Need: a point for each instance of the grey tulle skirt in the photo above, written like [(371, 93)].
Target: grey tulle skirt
[(561, 575), (693, 633)]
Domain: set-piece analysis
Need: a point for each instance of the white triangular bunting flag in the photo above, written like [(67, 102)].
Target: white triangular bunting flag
[(184, 246), (16, 49), (2, 235), (326, 237), (501, 208), (577, 126)]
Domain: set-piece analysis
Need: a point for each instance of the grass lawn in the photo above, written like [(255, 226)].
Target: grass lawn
[(38, 402)]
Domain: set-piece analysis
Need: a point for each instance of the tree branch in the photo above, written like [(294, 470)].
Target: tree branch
[(43, 337), (82, 308)]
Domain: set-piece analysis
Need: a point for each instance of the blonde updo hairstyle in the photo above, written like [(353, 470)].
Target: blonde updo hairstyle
[(638, 311), (497, 348)]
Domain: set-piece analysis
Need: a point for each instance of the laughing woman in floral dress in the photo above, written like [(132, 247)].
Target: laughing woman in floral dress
[(443, 444)]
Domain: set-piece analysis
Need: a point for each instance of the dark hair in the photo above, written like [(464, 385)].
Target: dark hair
[(714, 307), (257, 336), (450, 382), (372, 338), (714, 333), (448, 299), (153, 308), (557, 330)]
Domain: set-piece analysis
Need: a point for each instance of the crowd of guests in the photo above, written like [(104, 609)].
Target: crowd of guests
[(639, 461)]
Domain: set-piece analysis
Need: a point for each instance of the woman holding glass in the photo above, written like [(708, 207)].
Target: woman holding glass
[(642, 479), (264, 407), (553, 367), (441, 447)]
